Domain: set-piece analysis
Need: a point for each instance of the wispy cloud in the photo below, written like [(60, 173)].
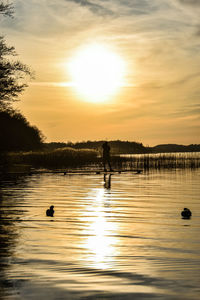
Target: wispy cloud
[(95, 7), (190, 2), (51, 84), (186, 79)]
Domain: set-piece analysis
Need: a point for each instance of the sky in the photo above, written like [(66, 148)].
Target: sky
[(158, 41)]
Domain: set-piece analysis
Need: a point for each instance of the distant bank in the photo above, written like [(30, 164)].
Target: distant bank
[(126, 147)]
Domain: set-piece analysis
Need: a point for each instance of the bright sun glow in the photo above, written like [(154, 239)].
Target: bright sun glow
[(97, 73)]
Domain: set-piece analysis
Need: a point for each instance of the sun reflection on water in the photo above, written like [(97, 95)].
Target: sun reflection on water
[(101, 241)]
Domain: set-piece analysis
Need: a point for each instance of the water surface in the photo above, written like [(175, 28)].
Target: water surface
[(119, 237)]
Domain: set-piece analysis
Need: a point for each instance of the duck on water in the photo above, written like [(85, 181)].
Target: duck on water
[(50, 211), (186, 213)]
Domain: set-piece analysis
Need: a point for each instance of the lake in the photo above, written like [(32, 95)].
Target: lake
[(112, 237)]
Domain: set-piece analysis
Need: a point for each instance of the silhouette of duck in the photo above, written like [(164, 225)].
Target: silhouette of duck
[(50, 211), (186, 213)]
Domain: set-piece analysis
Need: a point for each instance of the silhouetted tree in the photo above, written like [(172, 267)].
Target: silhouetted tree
[(6, 9), (12, 73), (17, 134)]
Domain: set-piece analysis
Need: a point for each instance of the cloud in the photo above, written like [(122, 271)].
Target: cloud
[(96, 8), (189, 10), (190, 2), (51, 84), (119, 8), (185, 80), (45, 18)]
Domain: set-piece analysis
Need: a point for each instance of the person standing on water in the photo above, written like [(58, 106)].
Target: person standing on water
[(106, 156)]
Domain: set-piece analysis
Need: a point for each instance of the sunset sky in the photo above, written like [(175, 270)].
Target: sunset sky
[(150, 51)]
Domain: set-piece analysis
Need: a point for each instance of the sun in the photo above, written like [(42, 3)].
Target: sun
[(96, 72)]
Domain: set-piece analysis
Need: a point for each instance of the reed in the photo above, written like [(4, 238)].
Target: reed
[(59, 158), (158, 161), (64, 158)]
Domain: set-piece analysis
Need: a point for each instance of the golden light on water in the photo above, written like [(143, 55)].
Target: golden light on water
[(100, 243), (97, 72)]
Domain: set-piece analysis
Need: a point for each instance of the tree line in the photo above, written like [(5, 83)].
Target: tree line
[(125, 147)]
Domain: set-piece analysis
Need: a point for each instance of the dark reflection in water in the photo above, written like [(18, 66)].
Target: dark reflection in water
[(8, 237), (6, 249), (10, 214), (107, 181), (123, 239)]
